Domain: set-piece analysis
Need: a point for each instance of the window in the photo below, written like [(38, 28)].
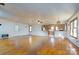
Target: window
[(57, 28), (71, 28), (68, 28), (43, 28), (74, 28), (52, 28), (30, 28)]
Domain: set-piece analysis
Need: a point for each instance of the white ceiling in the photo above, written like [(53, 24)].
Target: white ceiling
[(48, 13)]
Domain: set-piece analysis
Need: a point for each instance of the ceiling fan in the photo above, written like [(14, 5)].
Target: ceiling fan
[(39, 21)]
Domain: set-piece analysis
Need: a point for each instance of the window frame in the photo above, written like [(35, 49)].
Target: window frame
[(74, 27)]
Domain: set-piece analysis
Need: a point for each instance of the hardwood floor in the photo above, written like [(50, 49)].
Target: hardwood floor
[(37, 45)]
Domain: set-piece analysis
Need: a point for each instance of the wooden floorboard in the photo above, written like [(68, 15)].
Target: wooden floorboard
[(37, 45)]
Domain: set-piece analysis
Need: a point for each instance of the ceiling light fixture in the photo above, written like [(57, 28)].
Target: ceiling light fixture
[(38, 21), (58, 22)]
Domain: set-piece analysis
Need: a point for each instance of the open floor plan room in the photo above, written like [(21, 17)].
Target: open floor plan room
[(39, 29)]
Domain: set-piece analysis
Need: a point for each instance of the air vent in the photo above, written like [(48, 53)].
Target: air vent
[(0, 24), (2, 4)]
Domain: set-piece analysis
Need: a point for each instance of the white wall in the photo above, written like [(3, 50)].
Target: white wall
[(8, 27), (36, 30)]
